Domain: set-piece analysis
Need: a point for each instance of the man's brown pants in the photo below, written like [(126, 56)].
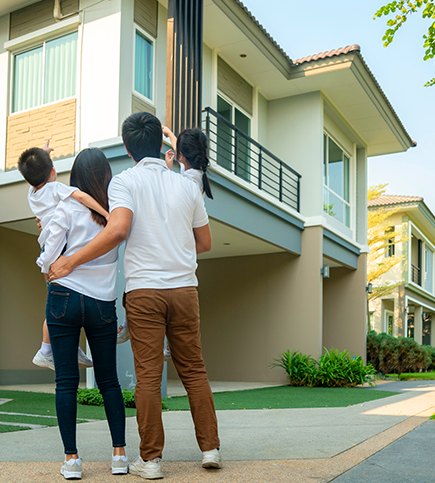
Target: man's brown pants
[(152, 314)]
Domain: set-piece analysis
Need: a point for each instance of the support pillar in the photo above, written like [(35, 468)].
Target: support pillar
[(418, 324)]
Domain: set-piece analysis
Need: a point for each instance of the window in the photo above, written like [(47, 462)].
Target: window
[(336, 181), (389, 321), (233, 148), (391, 250), (45, 74), (428, 269), (143, 65)]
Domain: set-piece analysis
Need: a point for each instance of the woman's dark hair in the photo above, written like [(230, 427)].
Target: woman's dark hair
[(192, 144), (91, 173)]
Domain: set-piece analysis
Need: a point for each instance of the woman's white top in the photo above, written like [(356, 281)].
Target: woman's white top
[(194, 175), (72, 224), (43, 202)]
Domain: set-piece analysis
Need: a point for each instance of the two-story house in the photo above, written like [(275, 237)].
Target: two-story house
[(289, 143), (407, 311)]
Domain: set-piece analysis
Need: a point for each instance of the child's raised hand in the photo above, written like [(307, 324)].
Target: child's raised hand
[(47, 148), (169, 158)]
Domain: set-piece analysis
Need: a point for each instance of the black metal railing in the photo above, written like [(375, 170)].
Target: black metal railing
[(415, 274), (232, 149)]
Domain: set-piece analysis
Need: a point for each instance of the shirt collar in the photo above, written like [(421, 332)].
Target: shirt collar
[(151, 161)]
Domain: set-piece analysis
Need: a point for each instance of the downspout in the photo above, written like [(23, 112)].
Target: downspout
[(57, 12)]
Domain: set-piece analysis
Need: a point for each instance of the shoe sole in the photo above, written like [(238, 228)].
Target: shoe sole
[(42, 364), (71, 475), (158, 474), (119, 471), (217, 465)]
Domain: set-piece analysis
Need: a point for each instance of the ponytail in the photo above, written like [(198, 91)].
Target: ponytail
[(193, 143)]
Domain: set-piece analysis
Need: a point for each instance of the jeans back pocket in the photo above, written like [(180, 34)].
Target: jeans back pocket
[(107, 310), (58, 303)]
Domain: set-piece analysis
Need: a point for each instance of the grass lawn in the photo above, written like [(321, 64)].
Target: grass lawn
[(286, 397), (44, 405), (10, 429), (415, 376)]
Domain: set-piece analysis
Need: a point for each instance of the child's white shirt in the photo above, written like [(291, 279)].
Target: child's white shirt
[(44, 201), (194, 175)]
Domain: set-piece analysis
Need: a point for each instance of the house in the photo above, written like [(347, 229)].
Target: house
[(289, 143), (407, 311)]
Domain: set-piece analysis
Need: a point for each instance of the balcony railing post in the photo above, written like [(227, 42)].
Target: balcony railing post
[(280, 181), (260, 160), (298, 195), (236, 151), (207, 131)]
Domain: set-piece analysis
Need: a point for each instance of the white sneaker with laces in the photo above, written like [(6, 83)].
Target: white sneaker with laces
[(84, 360), (123, 334), (150, 470), (72, 469), (43, 361), (119, 465), (212, 459)]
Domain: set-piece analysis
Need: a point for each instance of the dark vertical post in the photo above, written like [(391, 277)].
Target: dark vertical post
[(184, 93), (280, 181), (260, 162), (420, 246)]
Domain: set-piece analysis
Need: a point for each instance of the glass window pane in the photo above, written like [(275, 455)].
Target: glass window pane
[(336, 168), (224, 148), (143, 68), (243, 146), (325, 158), (27, 80), (336, 208), (60, 68), (346, 179), (242, 122)]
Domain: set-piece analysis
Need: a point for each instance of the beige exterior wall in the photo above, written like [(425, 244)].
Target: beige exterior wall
[(344, 309), (32, 128), (255, 307)]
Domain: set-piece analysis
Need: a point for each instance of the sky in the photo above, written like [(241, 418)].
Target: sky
[(304, 28)]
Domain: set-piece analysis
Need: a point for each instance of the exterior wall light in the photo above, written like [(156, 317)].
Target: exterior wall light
[(325, 271), (369, 288)]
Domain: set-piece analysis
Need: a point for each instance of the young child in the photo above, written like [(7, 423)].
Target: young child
[(44, 194), (191, 153)]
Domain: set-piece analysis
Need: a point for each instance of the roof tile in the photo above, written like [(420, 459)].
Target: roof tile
[(393, 200)]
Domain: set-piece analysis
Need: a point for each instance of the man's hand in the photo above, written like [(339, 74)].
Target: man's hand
[(60, 268), (169, 158)]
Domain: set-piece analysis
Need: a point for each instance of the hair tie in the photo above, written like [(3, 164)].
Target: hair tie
[(204, 172)]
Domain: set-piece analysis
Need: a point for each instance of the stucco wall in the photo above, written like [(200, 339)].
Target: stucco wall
[(254, 307)]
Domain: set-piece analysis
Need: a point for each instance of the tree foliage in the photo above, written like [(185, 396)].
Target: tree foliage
[(379, 236), (399, 12)]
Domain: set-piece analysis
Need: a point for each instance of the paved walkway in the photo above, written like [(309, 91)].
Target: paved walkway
[(369, 442)]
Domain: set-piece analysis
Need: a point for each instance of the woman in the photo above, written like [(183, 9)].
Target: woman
[(85, 298)]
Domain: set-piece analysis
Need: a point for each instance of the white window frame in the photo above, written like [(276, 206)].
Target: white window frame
[(28, 48), (234, 105), (349, 203), (153, 41), (413, 229), (388, 313)]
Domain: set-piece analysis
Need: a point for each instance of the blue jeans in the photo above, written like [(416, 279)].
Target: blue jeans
[(67, 312)]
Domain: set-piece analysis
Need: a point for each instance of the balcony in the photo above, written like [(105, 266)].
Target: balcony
[(415, 274), (238, 153)]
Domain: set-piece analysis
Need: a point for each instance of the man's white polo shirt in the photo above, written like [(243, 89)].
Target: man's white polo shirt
[(160, 250)]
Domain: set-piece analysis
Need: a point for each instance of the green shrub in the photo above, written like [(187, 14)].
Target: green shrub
[(396, 355), (93, 397), (333, 369)]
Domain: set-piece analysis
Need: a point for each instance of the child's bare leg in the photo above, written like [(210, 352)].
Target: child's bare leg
[(45, 335)]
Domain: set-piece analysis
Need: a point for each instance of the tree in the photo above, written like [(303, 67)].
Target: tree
[(400, 11), (380, 237)]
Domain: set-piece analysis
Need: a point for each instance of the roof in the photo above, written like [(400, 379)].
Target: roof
[(385, 200), (326, 55)]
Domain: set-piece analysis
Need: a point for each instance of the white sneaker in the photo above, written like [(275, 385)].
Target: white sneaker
[(72, 469), (119, 465), (150, 470), (43, 361), (123, 334), (84, 360), (212, 459), (167, 355)]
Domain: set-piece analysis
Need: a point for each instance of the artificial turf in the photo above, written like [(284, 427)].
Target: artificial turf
[(283, 397), (4, 428)]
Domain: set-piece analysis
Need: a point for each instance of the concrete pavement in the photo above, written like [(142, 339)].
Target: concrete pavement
[(292, 445)]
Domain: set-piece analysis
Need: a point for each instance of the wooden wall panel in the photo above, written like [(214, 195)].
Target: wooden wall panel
[(145, 15), (234, 86)]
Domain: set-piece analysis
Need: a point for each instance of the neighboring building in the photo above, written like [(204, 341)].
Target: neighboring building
[(289, 142), (408, 310)]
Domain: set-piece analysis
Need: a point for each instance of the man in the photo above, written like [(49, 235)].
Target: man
[(163, 218)]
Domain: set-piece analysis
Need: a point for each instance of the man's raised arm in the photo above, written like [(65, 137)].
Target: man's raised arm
[(111, 236)]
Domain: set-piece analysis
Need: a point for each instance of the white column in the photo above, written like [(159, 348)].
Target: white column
[(418, 324)]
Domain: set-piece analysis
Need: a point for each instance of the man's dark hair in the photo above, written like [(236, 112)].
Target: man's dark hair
[(142, 135), (35, 165)]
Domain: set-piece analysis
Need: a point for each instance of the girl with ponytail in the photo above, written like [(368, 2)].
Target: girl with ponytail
[(191, 151)]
